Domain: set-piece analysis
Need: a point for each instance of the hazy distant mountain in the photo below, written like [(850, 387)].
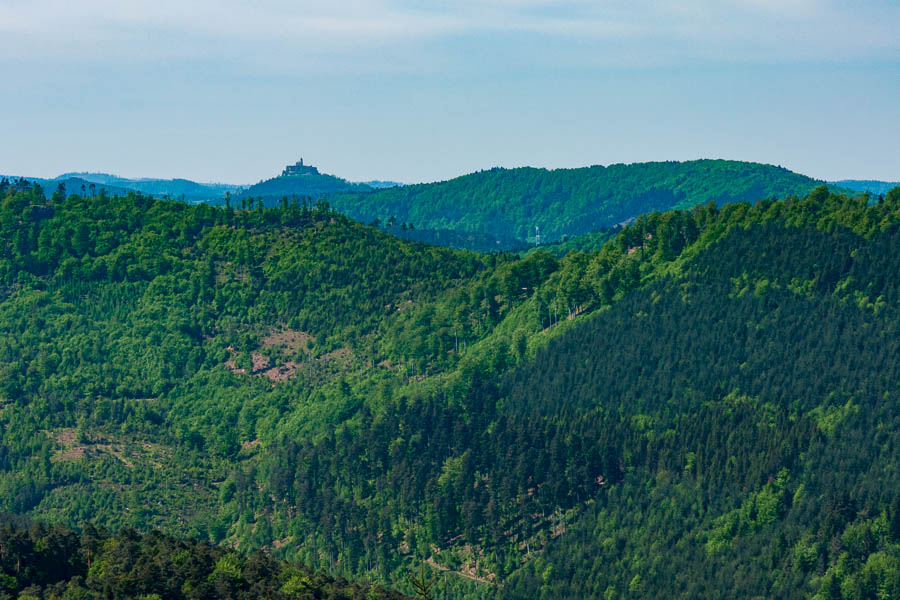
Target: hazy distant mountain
[(173, 188), (72, 185), (871, 186), (104, 178), (381, 185), (301, 181), (190, 191)]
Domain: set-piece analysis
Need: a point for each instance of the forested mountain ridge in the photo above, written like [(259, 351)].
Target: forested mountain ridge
[(512, 203), (109, 304), (633, 421)]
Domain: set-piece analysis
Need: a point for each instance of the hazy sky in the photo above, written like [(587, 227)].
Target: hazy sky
[(418, 91)]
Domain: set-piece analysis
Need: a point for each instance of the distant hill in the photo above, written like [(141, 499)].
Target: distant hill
[(173, 188), (301, 186), (517, 203), (74, 185), (303, 181), (377, 184), (190, 191), (871, 186)]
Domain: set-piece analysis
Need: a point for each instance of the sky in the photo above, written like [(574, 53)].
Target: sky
[(410, 91)]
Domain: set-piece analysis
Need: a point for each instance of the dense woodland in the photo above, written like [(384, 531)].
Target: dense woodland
[(54, 561), (521, 203), (703, 403)]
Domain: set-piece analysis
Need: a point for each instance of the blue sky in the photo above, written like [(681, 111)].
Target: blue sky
[(420, 91)]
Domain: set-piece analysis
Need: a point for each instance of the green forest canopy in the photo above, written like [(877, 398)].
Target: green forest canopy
[(642, 419), (512, 203)]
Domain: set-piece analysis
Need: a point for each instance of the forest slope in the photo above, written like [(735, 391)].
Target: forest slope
[(511, 203), (755, 405), (636, 420)]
